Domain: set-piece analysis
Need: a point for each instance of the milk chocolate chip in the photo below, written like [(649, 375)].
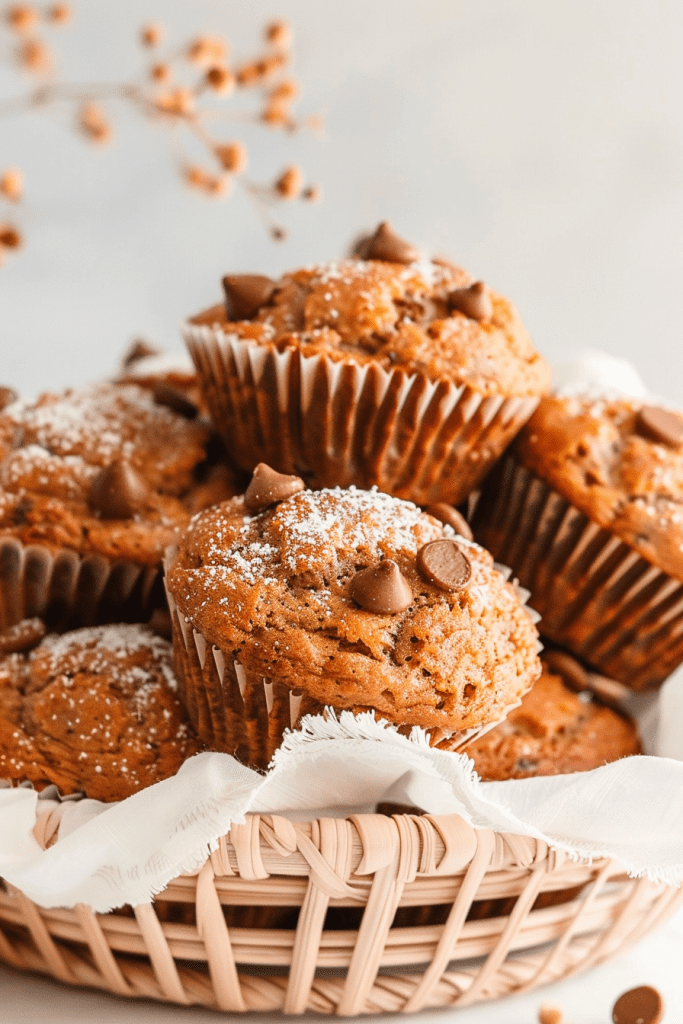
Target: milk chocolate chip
[(7, 396), (473, 301), (175, 399), (382, 589), (245, 294), (444, 564), (387, 246), (22, 637), (138, 349), (118, 491), (661, 425), (267, 487), (450, 516), (642, 1005)]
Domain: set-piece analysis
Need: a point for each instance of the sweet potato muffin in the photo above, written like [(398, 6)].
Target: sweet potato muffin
[(288, 600), (390, 370), (555, 731), (588, 510), (94, 484), (93, 711)]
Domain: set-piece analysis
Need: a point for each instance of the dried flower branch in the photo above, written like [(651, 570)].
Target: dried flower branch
[(185, 89)]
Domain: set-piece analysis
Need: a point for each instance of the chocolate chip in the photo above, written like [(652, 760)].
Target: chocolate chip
[(642, 1005), (444, 564), (387, 246), (22, 637), (267, 487), (661, 425), (382, 589), (573, 674), (174, 399), (118, 491), (473, 301), (138, 349), (7, 396), (450, 516), (245, 294)]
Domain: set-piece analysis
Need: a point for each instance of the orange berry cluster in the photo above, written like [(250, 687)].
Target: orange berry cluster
[(187, 88)]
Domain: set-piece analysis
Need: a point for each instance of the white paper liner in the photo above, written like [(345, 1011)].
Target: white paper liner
[(110, 855), (341, 423)]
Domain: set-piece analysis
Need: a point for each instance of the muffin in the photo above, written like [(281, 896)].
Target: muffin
[(93, 711), (587, 509), (385, 370), (286, 601), (556, 730), (94, 485)]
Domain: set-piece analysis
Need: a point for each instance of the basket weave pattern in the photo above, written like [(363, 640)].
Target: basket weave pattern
[(346, 916)]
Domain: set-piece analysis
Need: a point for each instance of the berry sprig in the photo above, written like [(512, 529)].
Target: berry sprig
[(187, 88)]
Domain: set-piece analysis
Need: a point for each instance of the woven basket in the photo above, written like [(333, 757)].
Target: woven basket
[(368, 914)]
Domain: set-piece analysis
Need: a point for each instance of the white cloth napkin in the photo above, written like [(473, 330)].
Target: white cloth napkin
[(108, 855)]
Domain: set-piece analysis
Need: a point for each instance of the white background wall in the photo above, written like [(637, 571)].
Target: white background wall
[(541, 144)]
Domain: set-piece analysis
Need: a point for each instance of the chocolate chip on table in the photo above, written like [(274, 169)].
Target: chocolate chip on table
[(173, 398), (444, 564), (661, 425), (642, 1005), (24, 636), (245, 294), (7, 396), (118, 491), (267, 487), (138, 349), (382, 589), (450, 516), (387, 246), (474, 301)]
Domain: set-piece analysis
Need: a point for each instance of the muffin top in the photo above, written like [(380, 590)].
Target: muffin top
[(554, 732), (394, 309), (343, 595), (103, 469), (93, 711), (618, 460)]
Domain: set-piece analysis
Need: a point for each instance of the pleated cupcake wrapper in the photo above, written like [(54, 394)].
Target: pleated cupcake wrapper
[(67, 589), (341, 423), (599, 598), (244, 713)]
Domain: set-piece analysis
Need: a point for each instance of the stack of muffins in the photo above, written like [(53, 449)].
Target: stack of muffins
[(304, 488)]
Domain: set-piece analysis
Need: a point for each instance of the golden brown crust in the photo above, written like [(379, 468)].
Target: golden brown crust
[(398, 317), (53, 448), (272, 590), (554, 732), (596, 455), (95, 711)]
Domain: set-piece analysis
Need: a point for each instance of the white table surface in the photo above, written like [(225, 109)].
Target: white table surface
[(586, 999)]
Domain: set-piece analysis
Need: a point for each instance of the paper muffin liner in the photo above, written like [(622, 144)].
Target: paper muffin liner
[(245, 714), (68, 590), (340, 423), (598, 597)]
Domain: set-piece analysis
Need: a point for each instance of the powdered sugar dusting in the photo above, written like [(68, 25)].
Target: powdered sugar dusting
[(66, 650)]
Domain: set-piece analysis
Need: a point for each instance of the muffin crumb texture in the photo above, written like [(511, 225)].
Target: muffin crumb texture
[(94, 711), (274, 592), (396, 316), (617, 462)]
